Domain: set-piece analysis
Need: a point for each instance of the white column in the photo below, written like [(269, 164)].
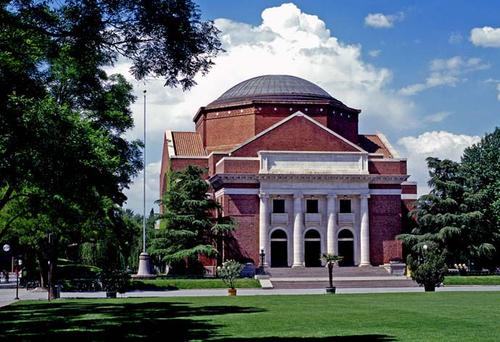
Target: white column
[(298, 229), (364, 231), (331, 228), (264, 225)]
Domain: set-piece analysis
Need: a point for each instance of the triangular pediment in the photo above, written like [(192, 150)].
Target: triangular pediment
[(297, 132)]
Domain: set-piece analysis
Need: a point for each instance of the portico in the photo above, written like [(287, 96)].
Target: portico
[(297, 221)]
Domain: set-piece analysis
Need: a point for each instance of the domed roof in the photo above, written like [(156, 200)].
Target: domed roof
[(273, 87)]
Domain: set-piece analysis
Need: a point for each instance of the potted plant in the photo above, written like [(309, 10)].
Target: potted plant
[(331, 260), (229, 272), (114, 281)]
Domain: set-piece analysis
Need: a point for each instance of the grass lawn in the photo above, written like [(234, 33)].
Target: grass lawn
[(172, 284), (364, 317), (472, 280)]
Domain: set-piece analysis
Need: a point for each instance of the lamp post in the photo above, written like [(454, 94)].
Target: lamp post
[(261, 266), (19, 263), (144, 270)]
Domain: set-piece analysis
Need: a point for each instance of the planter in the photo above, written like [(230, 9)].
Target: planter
[(110, 294), (429, 287), (330, 290), (231, 292)]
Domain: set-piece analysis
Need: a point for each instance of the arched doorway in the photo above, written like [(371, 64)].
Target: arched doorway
[(346, 247), (279, 249), (312, 247)]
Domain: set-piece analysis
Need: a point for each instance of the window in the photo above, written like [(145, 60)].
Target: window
[(278, 206), (312, 206), (345, 206)]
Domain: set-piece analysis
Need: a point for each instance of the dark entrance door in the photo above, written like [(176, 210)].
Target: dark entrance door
[(279, 249), (312, 246), (346, 247)]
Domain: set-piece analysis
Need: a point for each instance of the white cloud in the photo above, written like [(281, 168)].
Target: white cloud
[(440, 144), (486, 36), (445, 72), (135, 193), (455, 38), (436, 117), (374, 53), (287, 41), (379, 20)]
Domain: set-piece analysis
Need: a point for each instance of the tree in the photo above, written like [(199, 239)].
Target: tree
[(191, 221), (459, 216), (331, 260), (481, 169), (64, 161)]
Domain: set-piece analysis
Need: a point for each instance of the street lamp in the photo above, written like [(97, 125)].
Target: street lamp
[(19, 263), (262, 256)]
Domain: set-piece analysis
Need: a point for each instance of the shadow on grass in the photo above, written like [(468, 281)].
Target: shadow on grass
[(111, 320)]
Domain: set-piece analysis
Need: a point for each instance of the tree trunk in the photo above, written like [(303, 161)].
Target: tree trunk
[(330, 273)]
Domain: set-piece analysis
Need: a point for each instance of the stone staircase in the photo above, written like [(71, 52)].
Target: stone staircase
[(343, 277)]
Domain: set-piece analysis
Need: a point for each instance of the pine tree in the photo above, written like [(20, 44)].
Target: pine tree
[(191, 222)]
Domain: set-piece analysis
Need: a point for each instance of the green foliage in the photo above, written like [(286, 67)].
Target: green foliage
[(114, 280), (458, 217), (428, 270), (64, 159), (229, 272), (331, 259), (190, 226)]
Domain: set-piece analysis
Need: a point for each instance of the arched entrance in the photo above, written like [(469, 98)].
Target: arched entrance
[(346, 247), (312, 247), (279, 249)]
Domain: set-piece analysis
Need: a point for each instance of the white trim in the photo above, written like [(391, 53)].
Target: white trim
[(388, 159), (409, 196), (409, 183), (385, 191), (288, 118), (236, 191), (170, 143), (387, 144), (304, 152), (236, 158), (216, 152), (188, 157)]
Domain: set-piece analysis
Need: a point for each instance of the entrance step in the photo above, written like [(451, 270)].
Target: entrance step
[(287, 284), (317, 272)]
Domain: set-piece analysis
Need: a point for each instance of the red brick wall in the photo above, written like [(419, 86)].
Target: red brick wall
[(393, 249), (268, 115), (244, 210), (178, 164), (297, 134), (345, 124), (238, 166), (385, 223), (212, 162), (387, 167)]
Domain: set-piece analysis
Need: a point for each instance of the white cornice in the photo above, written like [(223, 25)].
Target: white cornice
[(170, 143), (387, 144)]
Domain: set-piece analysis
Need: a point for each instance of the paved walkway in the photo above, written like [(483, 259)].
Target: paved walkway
[(7, 295)]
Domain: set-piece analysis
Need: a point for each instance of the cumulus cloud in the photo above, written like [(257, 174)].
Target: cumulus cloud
[(374, 53), (440, 144), (445, 72), (379, 20), (287, 41), (134, 194), (486, 36)]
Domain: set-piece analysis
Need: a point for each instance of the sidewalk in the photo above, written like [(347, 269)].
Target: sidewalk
[(7, 295)]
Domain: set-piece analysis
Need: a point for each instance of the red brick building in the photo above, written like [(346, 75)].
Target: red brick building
[(286, 161)]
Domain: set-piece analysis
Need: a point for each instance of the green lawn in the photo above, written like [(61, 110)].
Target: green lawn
[(472, 280), (172, 284), (371, 317)]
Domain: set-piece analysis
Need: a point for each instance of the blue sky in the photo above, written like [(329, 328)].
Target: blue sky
[(426, 74)]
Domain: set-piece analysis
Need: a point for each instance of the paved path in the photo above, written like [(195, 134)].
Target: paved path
[(7, 295)]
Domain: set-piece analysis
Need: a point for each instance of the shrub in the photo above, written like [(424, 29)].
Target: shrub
[(430, 271), (115, 281), (229, 272)]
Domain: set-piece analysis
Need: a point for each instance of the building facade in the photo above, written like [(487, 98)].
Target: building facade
[(286, 161)]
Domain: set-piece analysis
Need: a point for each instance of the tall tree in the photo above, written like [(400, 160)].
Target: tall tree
[(192, 222), (64, 161)]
